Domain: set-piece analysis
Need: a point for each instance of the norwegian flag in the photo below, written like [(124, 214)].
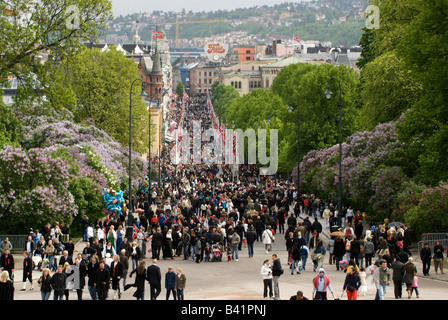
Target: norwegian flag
[(296, 38), (157, 34), (134, 231)]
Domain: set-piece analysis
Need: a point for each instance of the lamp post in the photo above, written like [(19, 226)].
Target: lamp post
[(328, 94), (130, 214), (290, 109)]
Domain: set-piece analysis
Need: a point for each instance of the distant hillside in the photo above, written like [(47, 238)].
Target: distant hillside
[(332, 20)]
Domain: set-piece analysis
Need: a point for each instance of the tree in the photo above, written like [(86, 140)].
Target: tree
[(29, 29), (101, 82), (180, 89), (304, 85), (10, 127)]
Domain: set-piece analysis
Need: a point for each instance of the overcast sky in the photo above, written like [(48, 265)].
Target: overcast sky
[(132, 6)]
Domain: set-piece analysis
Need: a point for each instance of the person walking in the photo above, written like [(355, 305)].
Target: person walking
[(180, 283), (266, 272), (425, 256), (235, 240), (116, 272), (140, 280), (415, 286), (295, 257), (320, 285), (44, 283), (438, 257), (154, 278), (410, 270), (351, 284), (383, 279), (101, 284), (268, 237), (58, 283), (27, 271), (251, 236), (397, 277), (339, 250)]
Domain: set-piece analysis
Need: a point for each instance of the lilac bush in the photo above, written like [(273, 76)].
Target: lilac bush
[(98, 149), (33, 189), (370, 180)]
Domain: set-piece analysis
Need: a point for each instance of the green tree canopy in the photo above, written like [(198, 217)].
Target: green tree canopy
[(101, 82)]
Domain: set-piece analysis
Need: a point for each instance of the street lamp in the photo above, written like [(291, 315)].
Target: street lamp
[(328, 95), (290, 109), (130, 214)]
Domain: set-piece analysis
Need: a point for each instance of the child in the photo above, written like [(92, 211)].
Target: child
[(363, 288), (229, 252), (415, 286), (207, 252)]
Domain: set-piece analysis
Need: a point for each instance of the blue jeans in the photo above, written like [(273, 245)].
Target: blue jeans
[(192, 252), (58, 297), (84, 235), (250, 249), (304, 262), (51, 263), (234, 249), (45, 295), (185, 251), (92, 292), (293, 265), (381, 291)]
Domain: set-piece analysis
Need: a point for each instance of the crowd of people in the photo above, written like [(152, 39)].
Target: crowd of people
[(210, 212)]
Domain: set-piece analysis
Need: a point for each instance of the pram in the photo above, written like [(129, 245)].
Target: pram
[(343, 265), (216, 253), (39, 263)]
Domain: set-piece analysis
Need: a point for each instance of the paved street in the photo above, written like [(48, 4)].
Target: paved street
[(242, 280)]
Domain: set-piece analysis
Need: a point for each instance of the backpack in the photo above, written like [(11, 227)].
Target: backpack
[(348, 245)]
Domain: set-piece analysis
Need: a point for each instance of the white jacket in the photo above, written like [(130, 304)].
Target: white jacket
[(267, 236), (266, 271)]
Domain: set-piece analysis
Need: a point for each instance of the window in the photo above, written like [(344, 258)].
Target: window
[(247, 51), (247, 58), (199, 80), (210, 74), (239, 85), (199, 73), (210, 81), (267, 83)]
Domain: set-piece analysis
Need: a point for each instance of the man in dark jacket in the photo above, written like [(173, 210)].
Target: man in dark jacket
[(259, 228), (102, 278), (156, 242), (397, 277), (154, 278), (58, 283), (251, 236), (276, 273), (27, 270)]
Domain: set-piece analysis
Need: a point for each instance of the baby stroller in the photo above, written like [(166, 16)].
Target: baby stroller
[(216, 251), (343, 265)]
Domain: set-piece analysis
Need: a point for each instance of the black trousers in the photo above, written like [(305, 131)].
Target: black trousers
[(397, 288), (426, 266), (154, 291), (267, 285)]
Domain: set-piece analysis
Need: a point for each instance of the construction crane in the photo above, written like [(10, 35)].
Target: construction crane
[(177, 23)]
